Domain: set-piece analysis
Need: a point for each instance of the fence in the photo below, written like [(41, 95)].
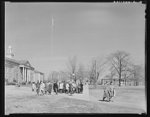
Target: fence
[(124, 82)]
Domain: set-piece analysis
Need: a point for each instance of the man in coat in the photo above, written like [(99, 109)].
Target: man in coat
[(55, 87), (49, 88), (64, 87), (70, 88), (81, 87), (38, 87)]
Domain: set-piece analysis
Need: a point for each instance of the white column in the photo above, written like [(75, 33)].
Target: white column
[(39, 77), (34, 76), (29, 75), (26, 74), (23, 72)]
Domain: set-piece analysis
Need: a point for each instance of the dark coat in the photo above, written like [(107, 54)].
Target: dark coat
[(50, 87), (107, 93), (37, 87), (55, 87)]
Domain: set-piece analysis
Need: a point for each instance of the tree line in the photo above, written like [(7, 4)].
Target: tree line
[(117, 65)]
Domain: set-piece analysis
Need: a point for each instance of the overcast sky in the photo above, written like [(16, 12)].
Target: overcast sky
[(86, 30)]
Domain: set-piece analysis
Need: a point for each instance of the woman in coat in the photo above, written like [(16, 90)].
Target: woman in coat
[(42, 88), (106, 94)]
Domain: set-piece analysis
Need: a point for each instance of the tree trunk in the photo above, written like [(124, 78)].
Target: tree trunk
[(119, 79), (120, 74)]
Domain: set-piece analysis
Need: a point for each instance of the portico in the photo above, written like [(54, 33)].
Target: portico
[(27, 73)]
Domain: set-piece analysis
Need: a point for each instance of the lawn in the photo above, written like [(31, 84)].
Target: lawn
[(23, 100)]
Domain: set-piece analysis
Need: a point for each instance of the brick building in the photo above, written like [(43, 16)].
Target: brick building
[(20, 70)]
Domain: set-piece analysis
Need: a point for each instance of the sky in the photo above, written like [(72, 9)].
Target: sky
[(84, 30)]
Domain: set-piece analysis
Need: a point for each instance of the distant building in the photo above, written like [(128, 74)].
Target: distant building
[(38, 76), (20, 70)]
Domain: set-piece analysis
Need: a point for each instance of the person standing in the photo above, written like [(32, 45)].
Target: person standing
[(70, 88), (67, 87), (64, 87), (42, 88), (112, 90), (55, 87), (81, 87), (33, 86), (73, 87), (49, 87), (38, 87), (61, 87), (46, 87)]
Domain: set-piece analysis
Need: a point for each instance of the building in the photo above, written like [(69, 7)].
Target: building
[(38, 76), (20, 70)]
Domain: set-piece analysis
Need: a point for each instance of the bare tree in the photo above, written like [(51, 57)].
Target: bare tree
[(81, 72), (119, 62), (53, 76), (72, 66), (137, 72), (92, 72), (49, 77), (63, 76), (96, 69)]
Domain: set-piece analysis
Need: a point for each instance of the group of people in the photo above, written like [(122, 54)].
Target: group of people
[(69, 87), (109, 91)]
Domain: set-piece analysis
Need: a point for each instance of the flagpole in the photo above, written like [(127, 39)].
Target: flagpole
[(52, 30)]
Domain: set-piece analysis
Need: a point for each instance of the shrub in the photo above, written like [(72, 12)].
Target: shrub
[(23, 83), (14, 80), (11, 83)]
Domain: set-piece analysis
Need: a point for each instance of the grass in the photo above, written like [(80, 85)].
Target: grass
[(23, 100)]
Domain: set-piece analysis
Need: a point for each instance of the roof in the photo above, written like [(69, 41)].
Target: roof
[(19, 62), (12, 60), (25, 62), (38, 72)]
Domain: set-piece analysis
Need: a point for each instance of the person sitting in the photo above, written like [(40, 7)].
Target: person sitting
[(112, 90), (106, 92)]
